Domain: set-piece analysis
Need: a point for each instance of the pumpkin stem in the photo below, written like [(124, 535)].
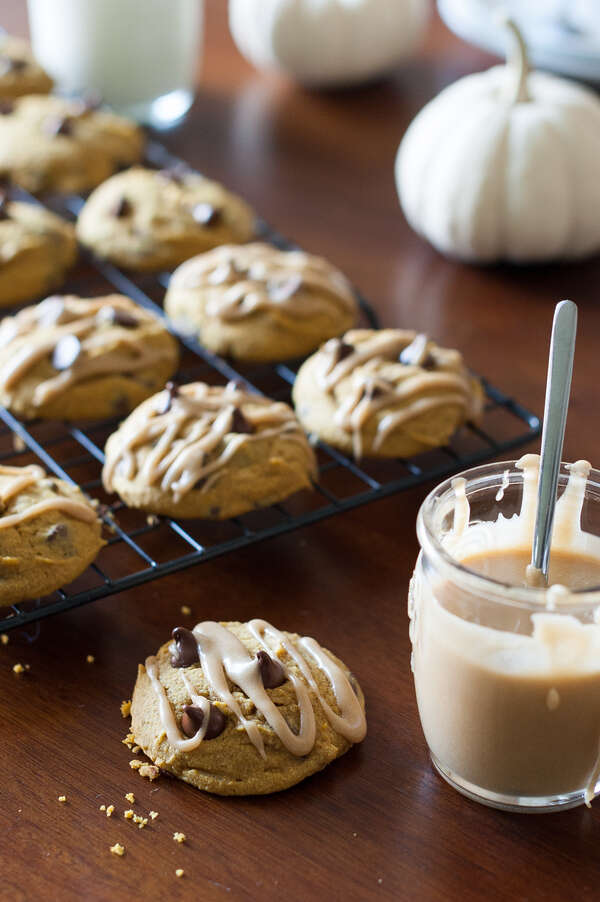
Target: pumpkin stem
[(518, 61)]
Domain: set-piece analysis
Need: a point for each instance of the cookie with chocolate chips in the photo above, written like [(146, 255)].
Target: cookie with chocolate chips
[(146, 219), (207, 451), (72, 358), (50, 143), (254, 302), (49, 533), (20, 74), (387, 393), (244, 708), (37, 248)]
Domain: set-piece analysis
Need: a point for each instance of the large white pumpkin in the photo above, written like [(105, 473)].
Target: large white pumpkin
[(505, 165), (327, 42)]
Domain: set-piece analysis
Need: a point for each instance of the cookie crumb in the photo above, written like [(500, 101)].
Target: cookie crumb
[(355, 835), (62, 798), (140, 821), (130, 797), (128, 814), (150, 771), (18, 443), (153, 815), (126, 708), (179, 837), (135, 764), (109, 810), (185, 609), (90, 659), (380, 880), (4, 638), (118, 849), (135, 749), (179, 872), (102, 807), (152, 520), (18, 669)]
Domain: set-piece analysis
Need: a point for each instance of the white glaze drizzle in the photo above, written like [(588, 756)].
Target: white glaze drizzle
[(193, 438), (20, 478), (34, 332), (224, 657), (247, 278), (375, 379)]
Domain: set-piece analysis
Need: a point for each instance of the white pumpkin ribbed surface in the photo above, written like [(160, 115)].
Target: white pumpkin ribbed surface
[(327, 42), (486, 178)]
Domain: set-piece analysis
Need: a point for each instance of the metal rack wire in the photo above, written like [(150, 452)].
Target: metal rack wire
[(141, 548)]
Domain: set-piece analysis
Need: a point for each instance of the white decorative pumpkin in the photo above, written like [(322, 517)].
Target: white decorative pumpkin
[(505, 165), (327, 42)]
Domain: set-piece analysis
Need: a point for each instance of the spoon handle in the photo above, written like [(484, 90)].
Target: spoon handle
[(558, 387)]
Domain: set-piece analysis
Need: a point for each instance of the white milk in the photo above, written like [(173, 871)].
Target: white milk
[(139, 56)]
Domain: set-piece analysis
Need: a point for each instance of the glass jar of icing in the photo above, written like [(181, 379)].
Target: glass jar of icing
[(507, 673)]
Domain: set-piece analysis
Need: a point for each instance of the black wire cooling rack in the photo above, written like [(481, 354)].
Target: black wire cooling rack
[(141, 548)]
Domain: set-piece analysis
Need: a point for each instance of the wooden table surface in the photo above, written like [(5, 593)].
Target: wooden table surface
[(378, 824)]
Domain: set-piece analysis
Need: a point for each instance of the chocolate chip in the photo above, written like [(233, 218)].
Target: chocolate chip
[(122, 208), (193, 718), (206, 214), (240, 424), (115, 316), (66, 352), (58, 531), (283, 289), (6, 107), (215, 511), (59, 125), (271, 671), (186, 648), (50, 311), (173, 390)]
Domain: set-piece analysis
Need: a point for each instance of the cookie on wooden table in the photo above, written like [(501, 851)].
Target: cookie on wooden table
[(19, 72), (387, 393), (71, 358), (256, 303), (147, 219), (51, 143), (36, 250), (207, 451), (243, 709), (49, 533)]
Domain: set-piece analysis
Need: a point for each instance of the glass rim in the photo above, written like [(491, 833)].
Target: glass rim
[(530, 597)]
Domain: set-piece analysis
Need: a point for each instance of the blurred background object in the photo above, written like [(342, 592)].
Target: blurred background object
[(327, 43), (561, 35), (139, 56)]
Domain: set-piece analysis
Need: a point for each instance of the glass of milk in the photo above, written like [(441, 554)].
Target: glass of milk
[(139, 56), (507, 672)]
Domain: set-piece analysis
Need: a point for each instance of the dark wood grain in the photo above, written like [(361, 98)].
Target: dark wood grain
[(379, 824)]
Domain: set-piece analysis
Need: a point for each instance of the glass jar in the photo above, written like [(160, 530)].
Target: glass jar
[(507, 677), (139, 56)]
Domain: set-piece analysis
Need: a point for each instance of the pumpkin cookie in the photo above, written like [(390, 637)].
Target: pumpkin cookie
[(49, 533), (210, 452), (244, 709), (148, 219), (55, 144), (19, 72), (36, 250), (71, 358), (257, 303), (388, 393)]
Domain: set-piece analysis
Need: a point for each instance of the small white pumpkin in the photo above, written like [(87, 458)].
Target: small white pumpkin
[(327, 42), (505, 165)]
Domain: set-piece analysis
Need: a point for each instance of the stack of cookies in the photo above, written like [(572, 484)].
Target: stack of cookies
[(192, 450)]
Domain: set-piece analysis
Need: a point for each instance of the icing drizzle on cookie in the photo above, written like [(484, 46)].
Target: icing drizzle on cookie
[(224, 658), (14, 480), (396, 369), (245, 279), (177, 441), (104, 343)]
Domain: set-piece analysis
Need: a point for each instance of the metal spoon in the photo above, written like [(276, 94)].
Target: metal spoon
[(558, 387)]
